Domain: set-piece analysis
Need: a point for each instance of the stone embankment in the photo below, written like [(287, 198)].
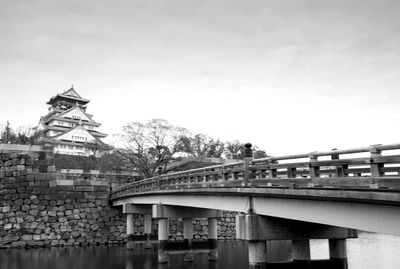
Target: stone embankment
[(38, 207)]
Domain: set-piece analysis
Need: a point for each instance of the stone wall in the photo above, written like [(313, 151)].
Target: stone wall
[(36, 209)]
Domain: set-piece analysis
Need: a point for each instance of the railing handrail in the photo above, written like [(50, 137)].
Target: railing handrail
[(271, 165), (329, 152)]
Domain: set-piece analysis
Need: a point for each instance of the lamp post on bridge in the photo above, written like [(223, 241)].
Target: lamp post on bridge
[(248, 156), (159, 173)]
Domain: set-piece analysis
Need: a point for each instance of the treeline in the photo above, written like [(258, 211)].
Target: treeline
[(156, 143), (143, 147), (19, 135)]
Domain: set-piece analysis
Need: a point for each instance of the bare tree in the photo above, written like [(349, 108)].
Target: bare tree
[(153, 144), (204, 146)]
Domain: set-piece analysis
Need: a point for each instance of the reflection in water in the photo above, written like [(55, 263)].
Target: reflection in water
[(368, 251)]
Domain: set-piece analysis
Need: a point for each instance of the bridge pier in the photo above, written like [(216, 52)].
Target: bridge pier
[(257, 254), (188, 237), (163, 212), (162, 240), (338, 251), (130, 210), (301, 250), (147, 230), (129, 230), (258, 229), (212, 239)]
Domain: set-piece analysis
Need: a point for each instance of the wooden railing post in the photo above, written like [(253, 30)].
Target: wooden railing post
[(376, 168), (271, 171), (233, 176), (340, 170), (314, 170), (248, 156), (291, 172)]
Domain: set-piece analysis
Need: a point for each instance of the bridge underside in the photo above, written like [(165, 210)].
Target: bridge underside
[(380, 218)]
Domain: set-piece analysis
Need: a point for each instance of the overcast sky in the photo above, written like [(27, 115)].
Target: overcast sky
[(289, 76)]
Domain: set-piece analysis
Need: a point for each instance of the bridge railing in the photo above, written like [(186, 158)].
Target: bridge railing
[(359, 168)]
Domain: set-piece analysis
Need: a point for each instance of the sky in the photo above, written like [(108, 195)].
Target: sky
[(290, 76)]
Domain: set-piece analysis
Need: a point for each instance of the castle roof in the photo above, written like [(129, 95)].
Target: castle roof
[(77, 110), (69, 95), (77, 130)]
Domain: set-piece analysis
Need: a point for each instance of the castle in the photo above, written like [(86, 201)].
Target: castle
[(68, 128)]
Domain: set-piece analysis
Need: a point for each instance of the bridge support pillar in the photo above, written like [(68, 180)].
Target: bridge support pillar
[(162, 240), (301, 250), (147, 229), (257, 254), (188, 237), (130, 230), (240, 226), (337, 249), (338, 252), (212, 239)]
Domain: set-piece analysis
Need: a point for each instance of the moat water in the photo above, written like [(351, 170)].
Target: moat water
[(373, 251)]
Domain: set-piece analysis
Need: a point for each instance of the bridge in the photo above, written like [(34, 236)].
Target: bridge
[(317, 195)]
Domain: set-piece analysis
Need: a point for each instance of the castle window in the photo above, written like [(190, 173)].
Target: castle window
[(74, 137)]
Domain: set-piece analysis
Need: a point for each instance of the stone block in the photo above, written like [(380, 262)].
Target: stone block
[(51, 168), (26, 237), (52, 183), (82, 182), (36, 237), (40, 176), (74, 195), (101, 195), (33, 212), (48, 190), (20, 167), (101, 188), (21, 190), (85, 188), (89, 195), (64, 182), (44, 183), (70, 188), (60, 176), (51, 213), (99, 183)]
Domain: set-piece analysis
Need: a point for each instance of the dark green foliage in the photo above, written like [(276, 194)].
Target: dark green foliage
[(106, 162)]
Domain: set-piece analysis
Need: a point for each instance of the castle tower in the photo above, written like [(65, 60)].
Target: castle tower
[(68, 128)]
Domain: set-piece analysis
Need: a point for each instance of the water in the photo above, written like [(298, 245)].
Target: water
[(373, 251)]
